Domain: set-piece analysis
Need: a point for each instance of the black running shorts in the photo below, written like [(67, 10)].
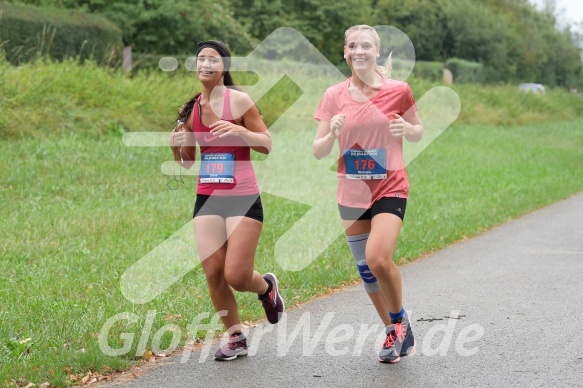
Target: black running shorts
[(229, 206), (392, 205)]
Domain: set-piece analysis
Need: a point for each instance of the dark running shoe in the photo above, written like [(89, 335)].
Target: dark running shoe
[(400, 342), (236, 347), (273, 304)]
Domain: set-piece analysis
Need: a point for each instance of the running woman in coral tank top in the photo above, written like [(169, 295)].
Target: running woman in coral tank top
[(228, 215), (370, 115)]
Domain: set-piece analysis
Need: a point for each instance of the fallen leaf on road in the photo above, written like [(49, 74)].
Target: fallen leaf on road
[(86, 379)]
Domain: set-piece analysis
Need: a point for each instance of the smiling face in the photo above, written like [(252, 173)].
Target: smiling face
[(361, 50), (209, 66)]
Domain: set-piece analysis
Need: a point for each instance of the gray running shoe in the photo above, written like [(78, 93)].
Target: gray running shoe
[(400, 341)]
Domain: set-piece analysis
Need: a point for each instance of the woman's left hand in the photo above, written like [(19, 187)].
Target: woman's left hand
[(224, 128), (398, 126)]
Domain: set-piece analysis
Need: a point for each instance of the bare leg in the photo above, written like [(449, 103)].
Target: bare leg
[(381, 305), (381, 244), (243, 236), (211, 237)]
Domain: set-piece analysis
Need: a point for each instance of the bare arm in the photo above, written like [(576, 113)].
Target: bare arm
[(258, 136), (326, 135), (411, 128)]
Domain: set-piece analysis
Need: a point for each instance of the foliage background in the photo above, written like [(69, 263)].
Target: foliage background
[(512, 39)]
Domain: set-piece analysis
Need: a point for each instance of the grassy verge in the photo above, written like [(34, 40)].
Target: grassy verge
[(79, 208), (43, 99)]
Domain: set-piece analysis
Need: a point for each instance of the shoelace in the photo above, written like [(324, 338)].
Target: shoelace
[(399, 330), (234, 345), (390, 341)]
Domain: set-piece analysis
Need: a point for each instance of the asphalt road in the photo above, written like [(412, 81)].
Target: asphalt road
[(513, 295)]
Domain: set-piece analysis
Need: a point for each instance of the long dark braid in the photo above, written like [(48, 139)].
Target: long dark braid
[(186, 109)]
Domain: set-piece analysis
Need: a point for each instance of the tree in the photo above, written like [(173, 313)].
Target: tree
[(322, 22), (166, 26), (422, 20)]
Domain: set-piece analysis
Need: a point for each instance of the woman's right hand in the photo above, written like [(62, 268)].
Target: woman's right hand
[(337, 125), (179, 135)]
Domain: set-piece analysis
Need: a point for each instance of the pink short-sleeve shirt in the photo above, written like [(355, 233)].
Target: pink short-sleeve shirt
[(366, 131)]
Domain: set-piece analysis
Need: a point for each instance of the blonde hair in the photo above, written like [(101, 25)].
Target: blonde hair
[(384, 70)]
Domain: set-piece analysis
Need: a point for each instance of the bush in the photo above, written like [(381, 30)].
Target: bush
[(28, 31), (432, 71), (465, 71)]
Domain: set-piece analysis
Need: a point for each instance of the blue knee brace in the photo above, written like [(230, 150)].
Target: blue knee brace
[(357, 246)]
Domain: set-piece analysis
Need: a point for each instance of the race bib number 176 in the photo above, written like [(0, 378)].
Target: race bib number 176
[(365, 163)]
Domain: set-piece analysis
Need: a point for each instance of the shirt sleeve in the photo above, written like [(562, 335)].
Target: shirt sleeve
[(408, 105), (325, 110)]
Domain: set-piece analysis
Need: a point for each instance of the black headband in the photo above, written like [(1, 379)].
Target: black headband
[(219, 48)]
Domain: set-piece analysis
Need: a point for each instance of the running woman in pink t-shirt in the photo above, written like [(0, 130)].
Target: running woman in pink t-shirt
[(228, 215), (370, 114)]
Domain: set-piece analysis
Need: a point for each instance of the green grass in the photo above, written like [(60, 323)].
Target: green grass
[(475, 177), (43, 99), (79, 207), (505, 105)]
